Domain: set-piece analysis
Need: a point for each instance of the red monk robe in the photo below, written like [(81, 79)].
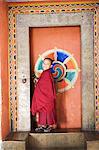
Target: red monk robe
[(43, 101)]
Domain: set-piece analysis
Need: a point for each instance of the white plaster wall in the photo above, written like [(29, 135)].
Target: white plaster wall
[(23, 89)]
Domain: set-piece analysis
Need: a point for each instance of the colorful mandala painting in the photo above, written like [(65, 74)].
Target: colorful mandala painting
[(64, 68)]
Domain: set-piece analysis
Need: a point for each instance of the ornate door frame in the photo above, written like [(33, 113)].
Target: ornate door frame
[(24, 17)]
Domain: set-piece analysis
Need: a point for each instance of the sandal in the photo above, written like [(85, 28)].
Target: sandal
[(48, 129), (40, 129)]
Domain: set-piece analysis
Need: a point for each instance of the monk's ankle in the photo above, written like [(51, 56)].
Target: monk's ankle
[(43, 126)]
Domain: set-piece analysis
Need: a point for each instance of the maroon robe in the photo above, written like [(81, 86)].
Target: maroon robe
[(44, 97)]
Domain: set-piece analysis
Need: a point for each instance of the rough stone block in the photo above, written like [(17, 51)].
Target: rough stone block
[(93, 145), (56, 140)]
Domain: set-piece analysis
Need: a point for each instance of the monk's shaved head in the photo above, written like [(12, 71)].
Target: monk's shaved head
[(47, 62)]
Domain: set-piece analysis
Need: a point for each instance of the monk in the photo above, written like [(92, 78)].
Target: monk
[(44, 97)]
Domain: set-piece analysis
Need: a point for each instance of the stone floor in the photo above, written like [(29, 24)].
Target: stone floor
[(17, 136)]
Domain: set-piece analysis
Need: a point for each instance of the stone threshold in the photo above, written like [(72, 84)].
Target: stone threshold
[(89, 140)]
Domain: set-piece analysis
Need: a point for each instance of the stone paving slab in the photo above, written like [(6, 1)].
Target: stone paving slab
[(60, 140)]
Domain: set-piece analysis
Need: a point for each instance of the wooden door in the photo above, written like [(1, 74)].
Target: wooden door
[(68, 104)]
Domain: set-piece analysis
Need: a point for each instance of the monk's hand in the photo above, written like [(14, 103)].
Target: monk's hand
[(35, 81)]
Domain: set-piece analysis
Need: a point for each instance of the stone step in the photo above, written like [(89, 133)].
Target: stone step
[(14, 145), (57, 149), (93, 145), (92, 140), (16, 141), (57, 140)]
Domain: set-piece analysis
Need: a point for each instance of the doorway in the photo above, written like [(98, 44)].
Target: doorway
[(68, 103)]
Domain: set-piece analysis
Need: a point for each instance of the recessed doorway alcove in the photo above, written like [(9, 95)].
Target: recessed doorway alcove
[(68, 103), (82, 20)]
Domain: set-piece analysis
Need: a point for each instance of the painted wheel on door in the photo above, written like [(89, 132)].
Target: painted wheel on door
[(64, 68)]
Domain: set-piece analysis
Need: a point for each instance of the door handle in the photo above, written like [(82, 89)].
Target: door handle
[(24, 80)]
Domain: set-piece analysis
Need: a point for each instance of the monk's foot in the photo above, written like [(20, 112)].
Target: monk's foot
[(48, 129), (40, 129)]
